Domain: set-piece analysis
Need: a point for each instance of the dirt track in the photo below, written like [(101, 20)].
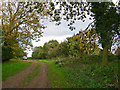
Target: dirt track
[(40, 81)]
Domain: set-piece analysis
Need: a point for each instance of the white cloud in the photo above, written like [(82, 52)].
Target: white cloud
[(115, 1), (59, 33), (47, 39)]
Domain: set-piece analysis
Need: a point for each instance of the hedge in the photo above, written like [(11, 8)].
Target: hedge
[(6, 53)]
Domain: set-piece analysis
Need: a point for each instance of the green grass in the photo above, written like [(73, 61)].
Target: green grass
[(84, 73), (95, 74), (0, 71), (14, 59), (32, 75), (12, 67), (57, 76), (43, 60)]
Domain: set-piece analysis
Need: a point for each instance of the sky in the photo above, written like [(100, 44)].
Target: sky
[(59, 33)]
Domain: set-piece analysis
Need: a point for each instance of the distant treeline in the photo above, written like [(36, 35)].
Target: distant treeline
[(83, 43)]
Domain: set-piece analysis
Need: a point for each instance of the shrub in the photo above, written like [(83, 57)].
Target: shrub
[(6, 53)]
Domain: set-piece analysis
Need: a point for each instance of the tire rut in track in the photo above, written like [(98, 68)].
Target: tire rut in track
[(41, 80)]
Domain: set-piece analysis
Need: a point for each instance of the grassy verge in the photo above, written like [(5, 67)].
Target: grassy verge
[(97, 76), (16, 59), (58, 76), (84, 74), (12, 67), (43, 60), (31, 75), (0, 71)]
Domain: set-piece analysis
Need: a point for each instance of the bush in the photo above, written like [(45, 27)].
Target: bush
[(112, 57), (92, 58), (30, 58), (6, 53), (98, 76)]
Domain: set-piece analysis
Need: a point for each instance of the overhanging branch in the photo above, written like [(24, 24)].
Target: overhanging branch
[(89, 26)]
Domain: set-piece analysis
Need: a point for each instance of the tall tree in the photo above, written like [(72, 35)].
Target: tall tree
[(20, 24), (49, 50), (83, 43), (52, 46), (106, 25), (104, 15), (63, 49)]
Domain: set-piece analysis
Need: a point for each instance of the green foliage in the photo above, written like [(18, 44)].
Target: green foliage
[(83, 43), (49, 50), (57, 76), (105, 16), (20, 25), (39, 53), (77, 73), (63, 49), (106, 12), (29, 58), (6, 53), (76, 46), (12, 67)]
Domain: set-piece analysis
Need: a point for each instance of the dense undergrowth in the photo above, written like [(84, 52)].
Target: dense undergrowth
[(84, 73)]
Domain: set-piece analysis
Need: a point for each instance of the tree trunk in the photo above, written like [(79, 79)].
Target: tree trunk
[(105, 56), (81, 53)]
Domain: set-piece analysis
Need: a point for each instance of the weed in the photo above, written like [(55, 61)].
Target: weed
[(79, 74)]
